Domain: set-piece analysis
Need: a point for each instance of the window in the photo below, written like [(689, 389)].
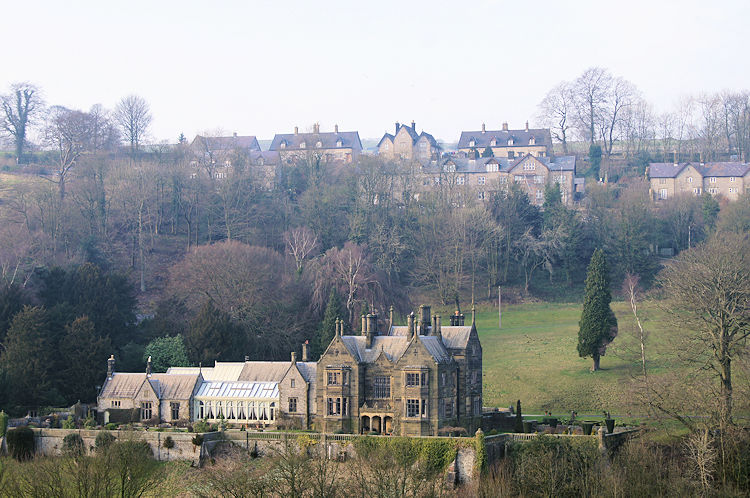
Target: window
[(345, 406), (510, 142), (209, 410), (230, 410), (339, 143), (282, 145), (334, 405), (712, 179), (532, 141), (529, 166), (541, 153), (382, 387), (477, 406), (334, 378), (662, 181), (539, 195), (538, 179), (291, 383), (697, 191), (146, 410), (713, 191), (386, 146), (449, 408), (201, 410), (511, 154), (732, 190), (292, 405), (663, 193), (492, 167), (731, 179), (442, 379), (175, 409), (460, 180), (412, 407), (115, 404), (519, 178), (480, 195), (480, 180), (450, 168), (424, 408), (472, 143), (240, 410), (412, 379), (319, 144), (493, 142), (425, 378), (690, 179), (503, 179)]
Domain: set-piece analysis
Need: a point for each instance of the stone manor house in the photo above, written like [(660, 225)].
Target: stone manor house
[(412, 379)]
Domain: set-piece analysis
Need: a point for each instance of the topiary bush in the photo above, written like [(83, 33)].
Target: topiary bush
[(20, 443), (73, 445)]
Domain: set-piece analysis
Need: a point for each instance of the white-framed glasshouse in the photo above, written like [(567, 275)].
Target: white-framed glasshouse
[(238, 402)]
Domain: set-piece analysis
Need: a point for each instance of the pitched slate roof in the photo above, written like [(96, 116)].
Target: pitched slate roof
[(226, 143), (123, 385), (479, 165), (269, 157), (392, 346), (455, 337), (263, 371), (413, 134), (520, 137), (166, 386), (722, 169), (349, 139)]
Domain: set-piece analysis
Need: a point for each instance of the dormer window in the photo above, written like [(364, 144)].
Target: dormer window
[(472, 143), (493, 142), (318, 144), (532, 141), (340, 143), (510, 141), (450, 168), (493, 167), (302, 145), (260, 161), (282, 145)]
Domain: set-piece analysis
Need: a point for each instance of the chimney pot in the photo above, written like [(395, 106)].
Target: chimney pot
[(234, 134), (296, 130), (413, 125), (372, 324), (294, 357), (527, 126), (364, 324), (149, 367), (247, 358), (505, 126), (439, 332), (110, 366), (411, 325)]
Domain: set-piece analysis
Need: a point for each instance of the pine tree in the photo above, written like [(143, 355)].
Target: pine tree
[(214, 336), (85, 354), (598, 325), (519, 418), (334, 309)]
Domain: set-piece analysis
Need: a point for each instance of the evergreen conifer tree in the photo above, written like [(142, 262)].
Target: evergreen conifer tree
[(519, 418), (598, 325), (334, 309)]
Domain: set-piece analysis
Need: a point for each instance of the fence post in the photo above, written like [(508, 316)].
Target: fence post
[(600, 438)]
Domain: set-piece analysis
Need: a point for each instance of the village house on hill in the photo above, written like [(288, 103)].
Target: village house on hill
[(726, 179), (507, 143), (406, 144), (411, 380), (332, 146)]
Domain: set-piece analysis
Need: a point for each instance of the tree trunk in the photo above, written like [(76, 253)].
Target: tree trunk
[(726, 391), (595, 366)]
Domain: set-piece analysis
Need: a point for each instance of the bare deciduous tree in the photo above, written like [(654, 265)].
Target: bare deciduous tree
[(133, 115), (69, 133), (556, 111), (20, 107), (590, 92), (301, 242)]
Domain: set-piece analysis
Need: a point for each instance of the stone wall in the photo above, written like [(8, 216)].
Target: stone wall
[(50, 442)]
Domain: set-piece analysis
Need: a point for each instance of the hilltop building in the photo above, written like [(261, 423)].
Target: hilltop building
[(333, 146), (407, 144), (726, 179), (409, 380), (506, 143)]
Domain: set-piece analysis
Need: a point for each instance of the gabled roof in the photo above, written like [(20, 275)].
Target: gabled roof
[(721, 169), (349, 139), (412, 134), (269, 157), (263, 371), (520, 137), (392, 347), (455, 337), (386, 136), (249, 142), (479, 165), (165, 385)]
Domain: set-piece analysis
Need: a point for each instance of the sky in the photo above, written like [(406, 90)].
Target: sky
[(262, 67)]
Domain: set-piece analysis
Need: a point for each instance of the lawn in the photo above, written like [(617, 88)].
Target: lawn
[(534, 358)]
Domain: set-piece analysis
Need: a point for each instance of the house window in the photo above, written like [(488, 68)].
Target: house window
[(282, 145), (448, 408), (731, 178), (115, 404), (230, 410), (460, 180), (424, 408), (713, 191), (712, 179), (412, 379), (697, 191), (146, 410), (503, 179), (472, 143), (339, 143), (519, 178), (480, 180), (510, 142), (292, 405), (539, 195), (291, 383), (201, 410), (175, 409), (442, 379), (493, 142), (319, 144), (538, 179), (511, 154), (302, 145), (662, 181), (480, 195), (532, 141), (412, 407), (345, 406), (450, 168), (732, 190), (529, 166), (492, 167), (334, 378), (663, 193), (477, 406), (240, 410), (690, 179), (334, 406), (382, 387)]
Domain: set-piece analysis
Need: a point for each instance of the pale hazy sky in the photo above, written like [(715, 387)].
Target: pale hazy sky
[(258, 67)]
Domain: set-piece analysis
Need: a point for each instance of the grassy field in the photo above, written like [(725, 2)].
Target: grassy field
[(534, 358)]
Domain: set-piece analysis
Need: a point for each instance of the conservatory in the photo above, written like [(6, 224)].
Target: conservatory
[(236, 402)]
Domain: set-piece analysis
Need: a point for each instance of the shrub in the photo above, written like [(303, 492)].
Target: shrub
[(73, 445), (110, 426), (168, 443), (103, 440), (201, 426), (197, 440), (20, 443), (89, 423), (69, 423)]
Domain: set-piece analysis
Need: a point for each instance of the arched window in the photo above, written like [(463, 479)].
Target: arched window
[(240, 410), (532, 141), (209, 410), (302, 145), (201, 410), (339, 143), (219, 411), (230, 411)]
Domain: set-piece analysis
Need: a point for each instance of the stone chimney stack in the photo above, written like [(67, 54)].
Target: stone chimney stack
[(398, 126), (413, 125), (149, 367), (434, 325), (234, 134), (439, 330), (411, 326), (390, 318), (461, 319), (527, 126), (294, 357), (296, 130), (372, 324), (505, 126), (364, 324), (304, 351), (338, 327), (425, 317), (473, 314), (316, 128), (111, 366), (674, 157), (335, 128), (483, 130)]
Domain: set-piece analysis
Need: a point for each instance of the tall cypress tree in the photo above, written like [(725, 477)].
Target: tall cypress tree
[(598, 325), (334, 309)]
